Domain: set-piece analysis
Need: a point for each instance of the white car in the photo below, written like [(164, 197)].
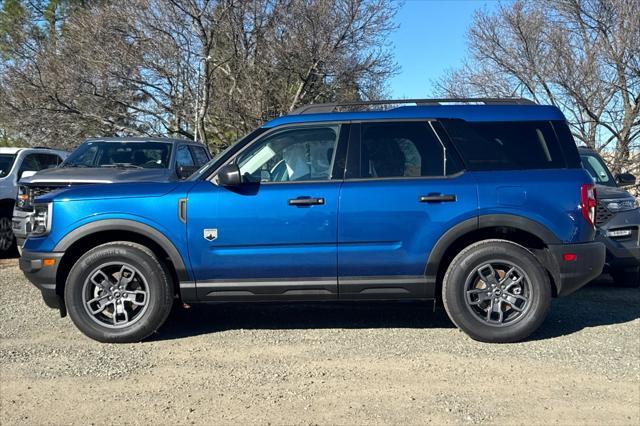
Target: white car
[(15, 164)]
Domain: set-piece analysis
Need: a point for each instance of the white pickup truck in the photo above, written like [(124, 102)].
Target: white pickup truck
[(15, 164)]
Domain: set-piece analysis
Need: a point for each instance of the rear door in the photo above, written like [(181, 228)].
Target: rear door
[(404, 189)]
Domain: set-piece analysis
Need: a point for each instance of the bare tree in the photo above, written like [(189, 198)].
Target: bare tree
[(580, 55), (210, 69)]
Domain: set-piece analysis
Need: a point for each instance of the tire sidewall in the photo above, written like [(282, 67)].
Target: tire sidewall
[(470, 260), (158, 288)]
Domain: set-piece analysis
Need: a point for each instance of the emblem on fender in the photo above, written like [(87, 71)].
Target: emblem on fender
[(210, 234)]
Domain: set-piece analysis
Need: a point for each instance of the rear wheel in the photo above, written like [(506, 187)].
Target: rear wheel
[(627, 277), (496, 291), (118, 292)]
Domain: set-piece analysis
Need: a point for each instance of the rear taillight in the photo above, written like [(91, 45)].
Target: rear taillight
[(588, 203)]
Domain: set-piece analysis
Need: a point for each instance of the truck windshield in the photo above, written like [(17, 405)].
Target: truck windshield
[(137, 155), (598, 170), (6, 162)]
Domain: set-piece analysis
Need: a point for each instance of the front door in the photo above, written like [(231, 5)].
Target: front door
[(274, 236)]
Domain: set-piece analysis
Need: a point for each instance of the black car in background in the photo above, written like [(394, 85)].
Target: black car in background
[(617, 218)]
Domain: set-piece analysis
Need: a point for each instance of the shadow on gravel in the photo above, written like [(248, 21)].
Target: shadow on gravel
[(209, 318), (598, 304)]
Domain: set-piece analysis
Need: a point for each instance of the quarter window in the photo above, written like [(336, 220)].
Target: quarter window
[(291, 155), (409, 149)]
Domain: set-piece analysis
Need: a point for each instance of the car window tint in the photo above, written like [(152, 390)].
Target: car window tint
[(30, 163), (506, 145), (296, 154), (48, 161), (183, 157), (408, 149), (200, 155)]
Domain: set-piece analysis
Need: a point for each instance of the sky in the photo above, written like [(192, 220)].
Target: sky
[(431, 38)]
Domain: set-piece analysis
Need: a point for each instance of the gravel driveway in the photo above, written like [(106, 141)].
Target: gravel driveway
[(338, 363)]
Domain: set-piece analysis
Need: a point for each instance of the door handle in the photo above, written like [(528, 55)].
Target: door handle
[(438, 198), (306, 201)]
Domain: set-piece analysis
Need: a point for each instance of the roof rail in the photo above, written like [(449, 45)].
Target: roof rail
[(344, 106)]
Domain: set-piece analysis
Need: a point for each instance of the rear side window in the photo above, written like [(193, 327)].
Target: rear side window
[(506, 145), (408, 149)]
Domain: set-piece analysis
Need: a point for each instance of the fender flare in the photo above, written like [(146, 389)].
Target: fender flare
[(130, 226), (480, 222)]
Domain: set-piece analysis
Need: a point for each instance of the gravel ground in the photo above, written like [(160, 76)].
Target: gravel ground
[(312, 363)]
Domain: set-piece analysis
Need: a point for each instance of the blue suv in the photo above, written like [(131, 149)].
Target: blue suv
[(480, 204)]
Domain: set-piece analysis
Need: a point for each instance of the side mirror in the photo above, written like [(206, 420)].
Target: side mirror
[(184, 172), (229, 175), (625, 179), (27, 173)]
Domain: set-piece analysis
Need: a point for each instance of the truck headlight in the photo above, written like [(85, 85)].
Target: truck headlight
[(23, 202), (621, 204), (41, 219)]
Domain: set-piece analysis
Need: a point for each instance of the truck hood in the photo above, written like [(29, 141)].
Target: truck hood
[(76, 175), (118, 190), (609, 192)]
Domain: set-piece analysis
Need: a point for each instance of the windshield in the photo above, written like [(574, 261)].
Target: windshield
[(6, 162), (598, 170), (138, 155)]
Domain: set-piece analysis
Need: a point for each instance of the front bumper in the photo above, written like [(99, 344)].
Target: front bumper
[(21, 225), (570, 275), (43, 276), (622, 252)]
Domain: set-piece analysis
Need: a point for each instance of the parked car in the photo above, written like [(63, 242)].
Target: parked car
[(338, 202), (109, 160), (16, 163), (618, 219)]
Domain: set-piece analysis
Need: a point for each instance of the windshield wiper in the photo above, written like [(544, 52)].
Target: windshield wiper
[(74, 165), (122, 166)]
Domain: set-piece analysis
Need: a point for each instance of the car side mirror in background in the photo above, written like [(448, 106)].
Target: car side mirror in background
[(625, 179), (184, 172), (27, 173), (229, 175)]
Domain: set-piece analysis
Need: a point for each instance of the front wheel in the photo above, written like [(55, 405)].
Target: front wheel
[(7, 238), (496, 291), (118, 293)]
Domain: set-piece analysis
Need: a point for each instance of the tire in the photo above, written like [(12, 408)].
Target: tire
[(470, 301), (145, 297), (7, 238), (628, 277)]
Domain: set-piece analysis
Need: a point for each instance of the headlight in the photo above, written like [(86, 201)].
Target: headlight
[(41, 219), (23, 202), (621, 205)]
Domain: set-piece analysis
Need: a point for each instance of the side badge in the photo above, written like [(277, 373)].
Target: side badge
[(210, 234)]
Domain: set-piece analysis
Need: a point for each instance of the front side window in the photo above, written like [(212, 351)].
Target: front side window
[(183, 157), (597, 170), (291, 155), (145, 155), (409, 149), (200, 155), (6, 163), (48, 161)]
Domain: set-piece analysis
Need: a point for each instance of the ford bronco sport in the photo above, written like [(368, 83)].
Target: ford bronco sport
[(480, 204)]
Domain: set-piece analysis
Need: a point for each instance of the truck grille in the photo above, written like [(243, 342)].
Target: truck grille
[(603, 215), (39, 191)]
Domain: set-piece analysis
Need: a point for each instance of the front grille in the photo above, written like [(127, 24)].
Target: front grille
[(603, 215), (39, 191)]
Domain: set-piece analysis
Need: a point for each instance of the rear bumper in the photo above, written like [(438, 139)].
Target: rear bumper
[(43, 277), (570, 275)]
